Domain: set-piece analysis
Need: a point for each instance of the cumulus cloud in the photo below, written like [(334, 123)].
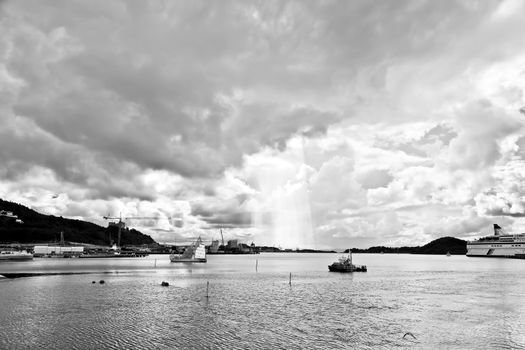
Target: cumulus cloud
[(279, 122)]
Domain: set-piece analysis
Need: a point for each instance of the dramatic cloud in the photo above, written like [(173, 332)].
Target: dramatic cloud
[(325, 124)]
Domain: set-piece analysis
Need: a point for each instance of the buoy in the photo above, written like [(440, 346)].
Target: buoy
[(101, 282), (164, 284), (93, 281)]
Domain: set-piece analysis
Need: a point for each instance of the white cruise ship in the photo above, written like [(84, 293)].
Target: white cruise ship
[(501, 244)]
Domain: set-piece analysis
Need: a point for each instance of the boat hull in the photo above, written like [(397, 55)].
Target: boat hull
[(16, 258), (495, 250), (500, 245), (193, 254), (353, 268), (186, 260)]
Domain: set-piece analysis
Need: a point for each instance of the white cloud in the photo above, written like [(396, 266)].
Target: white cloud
[(277, 120)]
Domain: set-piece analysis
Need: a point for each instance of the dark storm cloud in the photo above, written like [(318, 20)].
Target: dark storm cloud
[(224, 216), (142, 82), (151, 97), (264, 125), (230, 220), (70, 163), (22, 153), (326, 107)]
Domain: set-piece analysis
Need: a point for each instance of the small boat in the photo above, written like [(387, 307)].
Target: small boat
[(194, 253), (15, 255), (345, 265)]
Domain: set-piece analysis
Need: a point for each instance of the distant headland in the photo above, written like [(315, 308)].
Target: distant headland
[(443, 245), (25, 225)]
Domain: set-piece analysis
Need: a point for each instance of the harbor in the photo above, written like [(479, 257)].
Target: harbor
[(244, 175), (254, 309)]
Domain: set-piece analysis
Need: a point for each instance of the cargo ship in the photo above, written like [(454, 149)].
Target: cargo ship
[(501, 244)]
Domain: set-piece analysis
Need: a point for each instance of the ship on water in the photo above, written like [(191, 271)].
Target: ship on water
[(15, 255), (345, 265), (194, 253), (501, 244)]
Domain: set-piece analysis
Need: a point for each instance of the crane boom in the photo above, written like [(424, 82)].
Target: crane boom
[(120, 222)]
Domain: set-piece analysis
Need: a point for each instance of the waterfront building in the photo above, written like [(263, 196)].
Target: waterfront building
[(44, 250), (9, 215), (214, 247), (232, 243)]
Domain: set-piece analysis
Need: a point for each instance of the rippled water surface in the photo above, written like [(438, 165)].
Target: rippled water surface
[(446, 303)]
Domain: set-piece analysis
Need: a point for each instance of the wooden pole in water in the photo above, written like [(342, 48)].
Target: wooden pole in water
[(207, 289), (290, 278), (155, 262), (256, 264)]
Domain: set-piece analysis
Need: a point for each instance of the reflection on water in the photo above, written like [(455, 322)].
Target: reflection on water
[(454, 302)]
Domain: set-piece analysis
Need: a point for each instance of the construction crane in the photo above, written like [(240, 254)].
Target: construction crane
[(121, 222)]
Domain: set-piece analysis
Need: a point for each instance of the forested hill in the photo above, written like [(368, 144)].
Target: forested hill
[(40, 228), (439, 246), (443, 245)]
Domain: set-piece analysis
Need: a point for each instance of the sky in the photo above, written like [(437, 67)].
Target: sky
[(311, 124)]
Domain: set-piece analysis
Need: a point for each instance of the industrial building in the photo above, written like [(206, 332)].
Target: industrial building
[(44, 250)]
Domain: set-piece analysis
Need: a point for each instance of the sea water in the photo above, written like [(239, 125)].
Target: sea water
[(443, 302)]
